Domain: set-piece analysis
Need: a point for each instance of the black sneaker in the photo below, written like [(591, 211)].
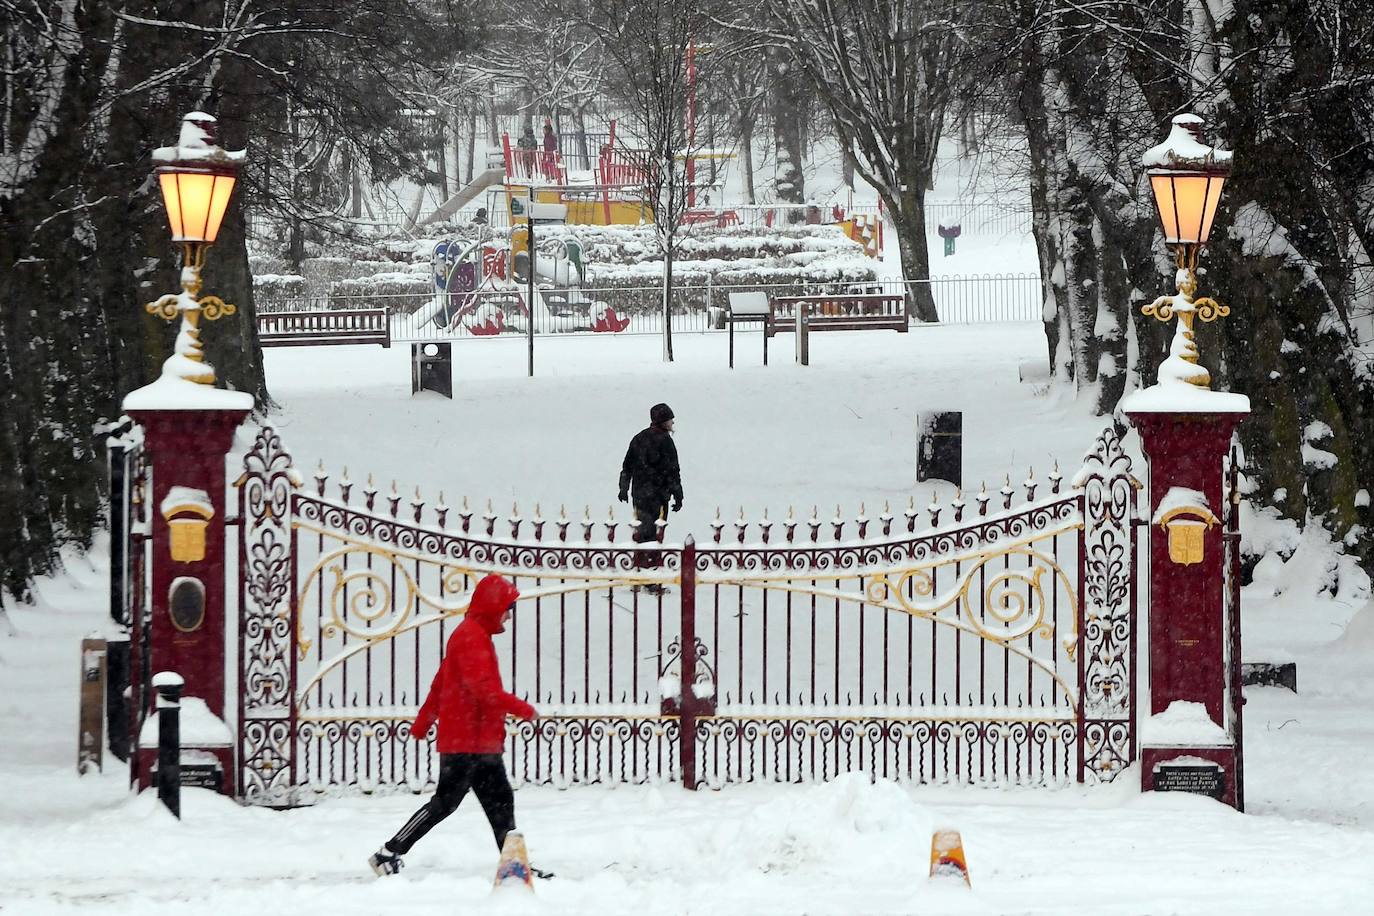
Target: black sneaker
[(385, 862)]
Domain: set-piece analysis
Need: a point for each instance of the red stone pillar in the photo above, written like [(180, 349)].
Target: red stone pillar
[(186, 448), (1185, 433)]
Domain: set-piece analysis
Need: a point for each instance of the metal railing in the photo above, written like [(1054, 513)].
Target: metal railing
[(697, 308)]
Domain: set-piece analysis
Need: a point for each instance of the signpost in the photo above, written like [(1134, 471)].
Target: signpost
[(534, 212)]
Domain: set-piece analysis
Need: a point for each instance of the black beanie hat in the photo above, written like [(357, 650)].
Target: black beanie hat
[(660, 413)]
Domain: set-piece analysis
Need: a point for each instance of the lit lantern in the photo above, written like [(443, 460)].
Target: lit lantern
[(197, 179), (1186, 178)]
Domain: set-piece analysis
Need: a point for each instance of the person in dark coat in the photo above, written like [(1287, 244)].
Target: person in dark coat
[(470, 706), (550, 151), (650, 474)]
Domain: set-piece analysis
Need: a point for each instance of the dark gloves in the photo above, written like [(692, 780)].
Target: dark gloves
[(677, 504), (624, 496)]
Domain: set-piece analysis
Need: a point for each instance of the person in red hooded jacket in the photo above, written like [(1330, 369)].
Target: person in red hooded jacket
[(470, 706)]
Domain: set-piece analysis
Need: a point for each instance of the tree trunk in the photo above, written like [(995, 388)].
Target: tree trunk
[(668, 300), (580, 125), (909, 222), (746, 145), (788, 107), (441, 157), (471, 135)]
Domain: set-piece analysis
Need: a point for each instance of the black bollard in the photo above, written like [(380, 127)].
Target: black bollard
[(168, 685)]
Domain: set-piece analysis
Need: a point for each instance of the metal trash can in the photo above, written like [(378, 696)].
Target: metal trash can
[(940, 447), (431, 368)]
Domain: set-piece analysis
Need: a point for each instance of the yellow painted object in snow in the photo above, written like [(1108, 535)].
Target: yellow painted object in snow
[(865, 230), (514, 869), (947, 856), (586, 208)]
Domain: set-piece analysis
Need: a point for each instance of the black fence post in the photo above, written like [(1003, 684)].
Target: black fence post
[(168, 685)]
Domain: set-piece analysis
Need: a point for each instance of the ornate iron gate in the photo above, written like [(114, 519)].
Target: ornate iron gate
[(995, 649)]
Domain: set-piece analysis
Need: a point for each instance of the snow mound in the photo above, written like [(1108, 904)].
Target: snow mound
[(849, 819), (1358, 638)]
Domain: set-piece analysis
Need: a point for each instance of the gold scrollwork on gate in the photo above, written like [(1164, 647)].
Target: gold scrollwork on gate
[(1013, 603), (986, 597), (376, 601)]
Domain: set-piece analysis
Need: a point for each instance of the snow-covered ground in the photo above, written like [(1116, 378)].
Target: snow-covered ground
[(838, 432)]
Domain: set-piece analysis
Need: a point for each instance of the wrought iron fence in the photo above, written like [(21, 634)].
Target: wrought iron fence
[(697, 308), (977, 642)]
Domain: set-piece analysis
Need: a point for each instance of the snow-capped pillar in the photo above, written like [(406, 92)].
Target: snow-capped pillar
[(188, 428), (1186, 743)]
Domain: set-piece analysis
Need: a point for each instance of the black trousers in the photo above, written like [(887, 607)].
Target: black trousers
[(485, 775), (646, 532)]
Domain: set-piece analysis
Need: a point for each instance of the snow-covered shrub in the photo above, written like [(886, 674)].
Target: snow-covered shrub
[(275, 292), (401, 292)]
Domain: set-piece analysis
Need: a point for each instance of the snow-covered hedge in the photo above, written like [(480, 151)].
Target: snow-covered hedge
[(272, 290), (624, 267), (401, 292)]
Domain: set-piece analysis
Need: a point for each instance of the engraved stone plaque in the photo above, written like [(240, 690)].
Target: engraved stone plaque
[(1199, 779)]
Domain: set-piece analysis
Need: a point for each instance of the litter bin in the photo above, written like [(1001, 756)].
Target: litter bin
[(431, 368), (940, 447)]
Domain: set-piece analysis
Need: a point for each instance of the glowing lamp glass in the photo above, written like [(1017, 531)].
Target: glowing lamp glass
[(1187, 204), (196, 201)]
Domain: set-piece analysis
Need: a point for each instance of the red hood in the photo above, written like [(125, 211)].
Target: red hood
[(489, 601)]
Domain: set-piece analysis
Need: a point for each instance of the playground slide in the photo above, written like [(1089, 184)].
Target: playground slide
[(465, 196)]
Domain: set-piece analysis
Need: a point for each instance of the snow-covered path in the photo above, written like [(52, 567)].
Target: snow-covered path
[(841, 431)]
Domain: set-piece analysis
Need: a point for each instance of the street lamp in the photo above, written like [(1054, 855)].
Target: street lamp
[(197, 178), (1186, 179)]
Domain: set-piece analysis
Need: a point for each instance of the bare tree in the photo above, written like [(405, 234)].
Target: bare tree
[(887, 71), (649, 43)]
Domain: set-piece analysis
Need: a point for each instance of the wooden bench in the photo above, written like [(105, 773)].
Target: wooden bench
[(841, 312), (324, 328)]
